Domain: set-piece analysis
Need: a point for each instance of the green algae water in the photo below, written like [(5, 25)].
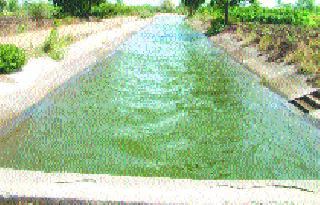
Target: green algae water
[(167, 103)]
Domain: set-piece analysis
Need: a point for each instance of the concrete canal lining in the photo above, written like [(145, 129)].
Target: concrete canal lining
[(103, 187)]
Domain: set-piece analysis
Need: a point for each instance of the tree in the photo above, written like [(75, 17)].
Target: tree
[(306, 4), (13, 5), (167, 6), (226, 3), (3, 3), (79, 8), (192, 4)]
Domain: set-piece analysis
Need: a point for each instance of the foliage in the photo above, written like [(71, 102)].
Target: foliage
[(221, 3), (249, 39), (21, 28), (42, 10), (181, 10), (105, 10), (3, 3), (57, 23), (51, 41), (265, 42), (167, 6), (80, 8), (53, 45), (12, 58), (192, 4), (146, 14), (108, 10), (13, 5), (306, 4), (285, 15), (273, 16), (285, 43), (68, 20), (217, 25)]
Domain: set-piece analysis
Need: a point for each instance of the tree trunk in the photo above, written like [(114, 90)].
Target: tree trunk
[(190, 11), (226, 13)]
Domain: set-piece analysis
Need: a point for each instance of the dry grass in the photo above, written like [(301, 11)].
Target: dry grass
[(284, 43)]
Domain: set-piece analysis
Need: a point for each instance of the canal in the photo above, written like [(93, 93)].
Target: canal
[(167, 103)]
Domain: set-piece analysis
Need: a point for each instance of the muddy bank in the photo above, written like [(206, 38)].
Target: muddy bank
[(22, 90)]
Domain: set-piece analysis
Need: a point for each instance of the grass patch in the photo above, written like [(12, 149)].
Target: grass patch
[(53, 45), (264, 81)]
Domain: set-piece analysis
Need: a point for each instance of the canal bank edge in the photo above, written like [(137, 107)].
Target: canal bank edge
[(42, 75), (15, 184), (280, 78)]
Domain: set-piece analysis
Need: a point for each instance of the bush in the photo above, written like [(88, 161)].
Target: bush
[(146, 14), (57, 23), (3, 3), (181, 10), (78, 8), (51, 41), (13, 5), (217, 25), (12, 58), (167, 6), (265, 42), (108, 10), (285, 15), (21, 28), (43, 10), (53, 45)]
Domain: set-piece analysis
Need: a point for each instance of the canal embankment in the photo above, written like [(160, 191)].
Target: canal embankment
[(164, 95), (281, 78), (41, 75)]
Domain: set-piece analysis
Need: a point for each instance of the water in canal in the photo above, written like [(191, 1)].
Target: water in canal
[(167, 103)]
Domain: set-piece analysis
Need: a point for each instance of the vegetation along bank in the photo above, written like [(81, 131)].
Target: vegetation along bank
[(281, 45)]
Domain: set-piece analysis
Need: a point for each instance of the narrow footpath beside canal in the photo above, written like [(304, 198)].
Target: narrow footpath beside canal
[(167, 103)]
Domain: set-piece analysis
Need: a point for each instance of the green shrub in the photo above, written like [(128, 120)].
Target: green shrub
[(57, 23), (265, 42), (13, 5), (146, 14), (217, 25), (12, 58), (167, 6), (51, 41), (42, 10), (284, 15), (181, 10), (3, 3), (54, 45), (104, 10), (21, 28)]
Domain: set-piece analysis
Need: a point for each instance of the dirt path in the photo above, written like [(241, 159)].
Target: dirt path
[(79, 31)]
